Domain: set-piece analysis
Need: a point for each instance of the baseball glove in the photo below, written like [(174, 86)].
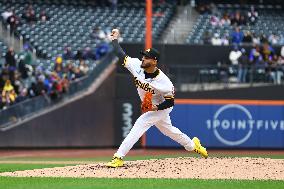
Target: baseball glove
[(147, 104)]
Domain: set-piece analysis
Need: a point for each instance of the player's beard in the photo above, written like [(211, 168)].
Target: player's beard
[(145, 65)]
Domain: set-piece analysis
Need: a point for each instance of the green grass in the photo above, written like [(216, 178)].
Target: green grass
[(91, 183), (9, 167)]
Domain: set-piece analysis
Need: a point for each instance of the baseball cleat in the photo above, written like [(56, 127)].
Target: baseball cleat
[(115, 162), (198, 148)]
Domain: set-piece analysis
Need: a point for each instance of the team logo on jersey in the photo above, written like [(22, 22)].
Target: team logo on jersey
[(145, 86)]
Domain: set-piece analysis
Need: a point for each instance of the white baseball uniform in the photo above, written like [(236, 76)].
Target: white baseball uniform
[(161, 88)]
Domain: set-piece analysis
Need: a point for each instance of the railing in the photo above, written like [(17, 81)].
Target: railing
[(18, 112), (224, 75)]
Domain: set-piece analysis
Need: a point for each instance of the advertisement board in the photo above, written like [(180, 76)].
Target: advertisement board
[(226, 123)]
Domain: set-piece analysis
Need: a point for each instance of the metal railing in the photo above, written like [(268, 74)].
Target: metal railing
[(224, 75), (20, 111)]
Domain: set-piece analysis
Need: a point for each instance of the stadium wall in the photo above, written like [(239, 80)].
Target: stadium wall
[(87, 122)]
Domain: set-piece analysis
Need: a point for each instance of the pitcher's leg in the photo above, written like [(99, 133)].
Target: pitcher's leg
[(142, 124), (166, 127)]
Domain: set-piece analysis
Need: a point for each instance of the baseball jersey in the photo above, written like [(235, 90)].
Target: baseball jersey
[(160, 86)]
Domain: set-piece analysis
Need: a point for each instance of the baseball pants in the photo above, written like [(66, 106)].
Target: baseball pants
[(161, 119)]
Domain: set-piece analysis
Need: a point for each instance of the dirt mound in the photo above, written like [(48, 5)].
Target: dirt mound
[(211, 168)]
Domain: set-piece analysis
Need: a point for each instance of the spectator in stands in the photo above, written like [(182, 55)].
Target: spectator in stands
[(79, 55), (6, 14), (23, 69), (214, 20), (13, 21), (255, 39), (28, 57), (235, 55), (216, 40), (272, 68), (65, 83), (252, 15), (68, 55), (225, 21), (88, 54), (102, 50), (83, 67), (273, 39), (225, 40), (247, 37), (255, 57), (98, 33), (43, 16), (236, 19), (30, 14), (267, 53), (10, 59), (243, 67), (207, 38), (8, 94), (22, 96), (237, 36), (263, 38)]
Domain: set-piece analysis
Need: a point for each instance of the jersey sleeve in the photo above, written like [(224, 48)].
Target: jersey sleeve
[(132, 64), (169, 91)]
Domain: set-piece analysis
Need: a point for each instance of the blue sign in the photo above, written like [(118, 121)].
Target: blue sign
[(226, 125)]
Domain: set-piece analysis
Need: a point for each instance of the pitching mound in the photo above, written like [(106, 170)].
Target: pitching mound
[(211, 168)]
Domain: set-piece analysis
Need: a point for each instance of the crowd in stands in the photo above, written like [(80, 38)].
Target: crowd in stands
[(30, 16), (262, 60), (237, 20), (21, 80)]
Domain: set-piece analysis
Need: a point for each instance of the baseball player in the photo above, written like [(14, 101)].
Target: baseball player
[(150, 79)]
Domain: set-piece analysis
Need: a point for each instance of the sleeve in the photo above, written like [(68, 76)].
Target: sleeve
[(132, 64), (169, 96)]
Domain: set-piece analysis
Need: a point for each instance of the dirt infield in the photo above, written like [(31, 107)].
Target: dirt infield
[(211, 168)]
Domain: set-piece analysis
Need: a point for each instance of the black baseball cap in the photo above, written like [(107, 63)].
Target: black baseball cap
[(151, 53)]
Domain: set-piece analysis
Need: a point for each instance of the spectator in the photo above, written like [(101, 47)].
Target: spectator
[(237, 36), (207, 38), (28, 57), (252, 15), (255, 39), (255, 57), (30, 15), (225, 21), (225, 40), (79, 55), (68, 55), (235, 55), (10, 59), (83, 67), (65, 84), (88, 54), (23, 95), (273, 39), (98, 33), (236, 20), (247, 37), (216, 40), (243, 67), (43, 16), (102, 50), (214, 20), (267, 53), (8, 94), (272, 68), (6, 14), (13, 21)]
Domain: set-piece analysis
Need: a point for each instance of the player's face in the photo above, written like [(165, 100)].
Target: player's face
[(147, 62)]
